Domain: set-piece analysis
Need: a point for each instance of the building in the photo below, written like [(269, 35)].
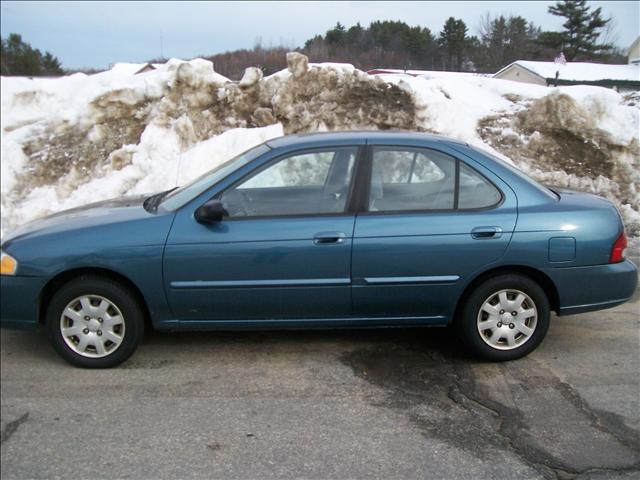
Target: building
[(633, 54), (147, 67), (618, 77)]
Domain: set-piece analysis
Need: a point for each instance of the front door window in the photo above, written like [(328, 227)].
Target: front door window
[(308, 183)]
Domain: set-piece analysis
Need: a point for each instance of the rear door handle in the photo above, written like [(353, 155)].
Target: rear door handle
[(325, 238), (480, 233)]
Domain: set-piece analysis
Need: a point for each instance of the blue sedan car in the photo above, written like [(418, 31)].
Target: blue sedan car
[(352, 229)]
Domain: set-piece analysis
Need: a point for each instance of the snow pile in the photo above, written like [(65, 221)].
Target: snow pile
[(78, 139), (583, 138)]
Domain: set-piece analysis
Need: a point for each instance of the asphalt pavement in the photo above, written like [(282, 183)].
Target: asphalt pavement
[(388, 404)]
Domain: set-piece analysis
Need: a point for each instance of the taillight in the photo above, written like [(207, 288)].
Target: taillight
[(617, 251)]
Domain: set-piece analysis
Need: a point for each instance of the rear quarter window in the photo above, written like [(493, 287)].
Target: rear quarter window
[(476, 191)]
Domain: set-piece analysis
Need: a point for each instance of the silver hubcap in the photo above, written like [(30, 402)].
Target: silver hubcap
[(507, 319), (92, 326)]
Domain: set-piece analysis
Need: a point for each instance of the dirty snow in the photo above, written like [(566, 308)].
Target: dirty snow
[(79, 139)]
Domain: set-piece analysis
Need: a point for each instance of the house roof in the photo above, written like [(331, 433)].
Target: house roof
[(421, 73), (580, 71), (145, 68)]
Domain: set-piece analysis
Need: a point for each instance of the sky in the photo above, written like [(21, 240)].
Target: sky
[(98, 34)]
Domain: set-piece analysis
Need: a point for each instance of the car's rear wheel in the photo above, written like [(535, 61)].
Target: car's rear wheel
[(504, 318), (94, 322)]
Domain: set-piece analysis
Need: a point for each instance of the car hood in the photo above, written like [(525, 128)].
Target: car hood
[(103, 213)]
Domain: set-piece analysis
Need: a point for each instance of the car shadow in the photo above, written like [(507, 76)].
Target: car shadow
[(443, 341), (28, 343), (440, 341)]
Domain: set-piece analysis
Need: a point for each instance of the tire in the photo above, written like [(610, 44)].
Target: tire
[(488, 325), (114, 328)]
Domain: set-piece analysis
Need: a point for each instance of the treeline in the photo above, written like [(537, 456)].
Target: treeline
[(19, 58), (233, 64), (501, 40)]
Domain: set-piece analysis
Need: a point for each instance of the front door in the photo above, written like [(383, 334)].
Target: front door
[(431, 223), (282, 252)]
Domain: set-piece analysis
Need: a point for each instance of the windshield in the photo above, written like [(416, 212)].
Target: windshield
[(180, 196)]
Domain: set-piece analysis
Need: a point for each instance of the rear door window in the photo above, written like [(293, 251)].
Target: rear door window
[(414, 179)]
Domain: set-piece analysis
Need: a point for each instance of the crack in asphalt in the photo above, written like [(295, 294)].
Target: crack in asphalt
[(521, 407), (606, 422), (512, 423), (11, 427)]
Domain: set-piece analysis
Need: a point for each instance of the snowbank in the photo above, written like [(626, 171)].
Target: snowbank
[(82, 138), (583, 138)]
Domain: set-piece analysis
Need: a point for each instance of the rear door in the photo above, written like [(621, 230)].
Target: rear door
[(431, 221)]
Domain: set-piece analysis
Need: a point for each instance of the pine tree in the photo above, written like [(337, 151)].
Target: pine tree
[(19, 58), (336, 36), (50, 65), (581, 30), (505, 40), (453, 40)]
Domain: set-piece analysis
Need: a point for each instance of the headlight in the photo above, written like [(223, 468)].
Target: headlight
[(8, 264)]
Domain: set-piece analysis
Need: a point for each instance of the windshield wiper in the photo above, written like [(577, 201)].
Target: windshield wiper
[(151, 203)]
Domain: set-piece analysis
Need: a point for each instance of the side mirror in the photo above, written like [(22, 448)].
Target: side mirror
[(210, 212)]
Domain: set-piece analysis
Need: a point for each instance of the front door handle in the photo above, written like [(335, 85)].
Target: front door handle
[(480, 233), (325, 238)]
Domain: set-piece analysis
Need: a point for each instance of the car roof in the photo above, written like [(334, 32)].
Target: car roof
[(357, 137)]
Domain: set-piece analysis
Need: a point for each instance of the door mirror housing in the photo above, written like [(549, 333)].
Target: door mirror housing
[(210, 212)]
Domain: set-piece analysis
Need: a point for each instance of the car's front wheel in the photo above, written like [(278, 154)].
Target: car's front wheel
[(505, 317), (94, 322)]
